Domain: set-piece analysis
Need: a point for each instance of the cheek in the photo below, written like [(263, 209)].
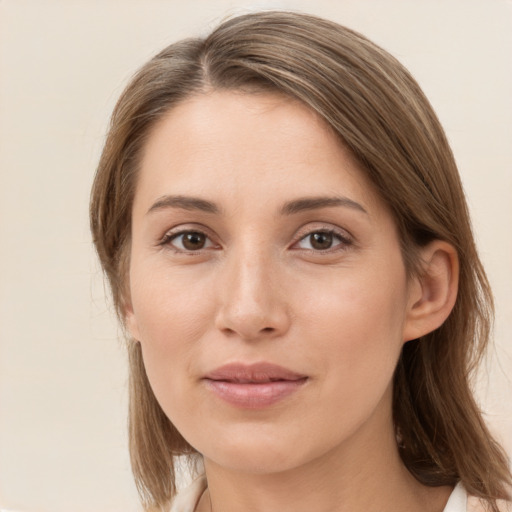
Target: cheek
[(170, 307), (172, 316), (356, 327)]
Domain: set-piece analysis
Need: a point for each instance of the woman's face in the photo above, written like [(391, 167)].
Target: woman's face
[(267, 285)]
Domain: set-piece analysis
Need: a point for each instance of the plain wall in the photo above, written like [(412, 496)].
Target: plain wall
[(63, 64)]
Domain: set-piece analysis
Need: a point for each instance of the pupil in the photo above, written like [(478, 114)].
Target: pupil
[(321, 240), (194, 241)]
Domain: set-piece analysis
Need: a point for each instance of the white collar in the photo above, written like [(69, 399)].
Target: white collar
[(458, 500)]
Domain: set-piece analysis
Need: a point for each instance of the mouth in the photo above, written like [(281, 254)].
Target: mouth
[(253, 386)]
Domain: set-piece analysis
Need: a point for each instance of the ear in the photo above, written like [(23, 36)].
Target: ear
[(433, 292), (130, 320)]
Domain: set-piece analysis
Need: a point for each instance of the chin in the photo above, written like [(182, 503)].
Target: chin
[(256, 460), (252, 451)]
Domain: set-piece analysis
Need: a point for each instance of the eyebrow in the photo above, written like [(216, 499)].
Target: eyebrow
[(314, 203), (185, 203), (289, 208)]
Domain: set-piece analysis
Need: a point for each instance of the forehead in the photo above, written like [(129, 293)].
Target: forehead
[(241, 146)]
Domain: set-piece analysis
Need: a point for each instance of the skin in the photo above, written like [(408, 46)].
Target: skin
[(260, 289)]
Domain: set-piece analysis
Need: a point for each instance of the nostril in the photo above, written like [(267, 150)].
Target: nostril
[(250, 320)]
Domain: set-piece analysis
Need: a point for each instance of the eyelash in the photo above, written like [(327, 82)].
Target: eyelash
[(343, 244), (344, 241), (169, 237)]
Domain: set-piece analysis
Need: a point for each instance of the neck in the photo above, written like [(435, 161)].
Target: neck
[(364, 473)]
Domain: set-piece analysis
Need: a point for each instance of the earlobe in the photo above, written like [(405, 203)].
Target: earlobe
[(130, 321), (432, 294)]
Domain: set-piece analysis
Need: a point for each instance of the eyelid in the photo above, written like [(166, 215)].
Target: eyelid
[(181, 229), (346, 238)]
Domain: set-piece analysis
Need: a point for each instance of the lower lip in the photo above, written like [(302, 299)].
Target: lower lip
[(254, 395)]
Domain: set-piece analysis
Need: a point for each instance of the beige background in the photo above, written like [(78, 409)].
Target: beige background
[(62, 66)]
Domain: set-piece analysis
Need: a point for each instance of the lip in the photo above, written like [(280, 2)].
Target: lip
[(253, 386)]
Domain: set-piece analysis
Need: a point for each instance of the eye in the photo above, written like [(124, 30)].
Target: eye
[(188, 241), (323, 240)]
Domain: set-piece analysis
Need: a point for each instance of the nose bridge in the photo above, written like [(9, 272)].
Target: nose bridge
[(251, 268), (251, 304)]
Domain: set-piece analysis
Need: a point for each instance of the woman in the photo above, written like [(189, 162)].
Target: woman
[(285, 234)]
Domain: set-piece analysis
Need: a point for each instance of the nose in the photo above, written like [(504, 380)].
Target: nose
[(252, 303)]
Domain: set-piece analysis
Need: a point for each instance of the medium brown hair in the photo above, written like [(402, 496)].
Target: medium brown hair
[(380, 113)]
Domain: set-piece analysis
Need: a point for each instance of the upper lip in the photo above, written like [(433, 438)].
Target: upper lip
[(253, 373)]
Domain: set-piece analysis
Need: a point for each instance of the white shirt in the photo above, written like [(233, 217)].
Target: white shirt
[(187, 499), (458, 500)]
